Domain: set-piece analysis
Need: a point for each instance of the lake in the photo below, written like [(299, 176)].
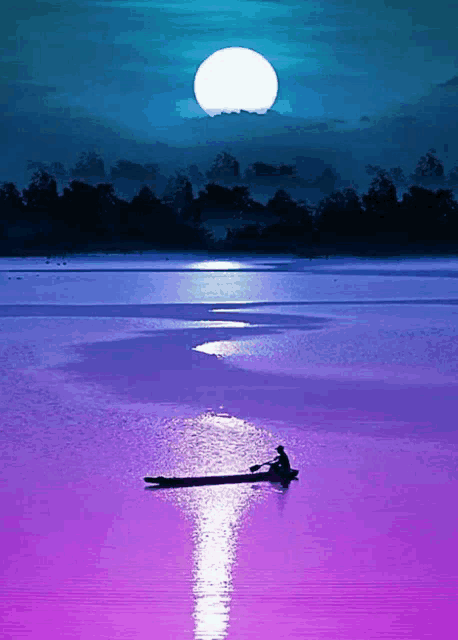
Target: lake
[(119, 366)]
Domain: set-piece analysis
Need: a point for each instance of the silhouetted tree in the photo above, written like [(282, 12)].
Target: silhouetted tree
[(195, 175), (429, 216), (93, 213), (225, 167), (178, 193), (381, 205), (56, 170), (216, 196), (341, 216), (89, 167), (326, 182), (217, 201), (247, 238), (398, 177), (395, 174), (241, 199), (147, 214), (11, 203), (373, 169), (162, 226), (80, 201), (41, 197), (132, 171), (309, 170), (289, 211), (282, 205), (452, 178), (295, 223), (429, 170), (128, 177), (43, 212), (33, 166), (11, 212), (109, 211)]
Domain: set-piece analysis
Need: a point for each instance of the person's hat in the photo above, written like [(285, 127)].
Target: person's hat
[(280, 448)]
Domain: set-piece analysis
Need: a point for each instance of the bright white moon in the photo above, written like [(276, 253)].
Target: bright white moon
[(233, 79)]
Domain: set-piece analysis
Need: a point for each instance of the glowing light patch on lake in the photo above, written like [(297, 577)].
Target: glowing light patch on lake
[(222, 324), (217, 265), (223, 348)]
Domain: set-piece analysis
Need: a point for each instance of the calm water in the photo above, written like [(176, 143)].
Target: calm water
[(116, 367)]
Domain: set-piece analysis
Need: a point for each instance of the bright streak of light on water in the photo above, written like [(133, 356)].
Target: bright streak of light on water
[(215, 443), (217, 265)]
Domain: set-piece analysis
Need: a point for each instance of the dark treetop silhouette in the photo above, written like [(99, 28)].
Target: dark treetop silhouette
[(90, 214)]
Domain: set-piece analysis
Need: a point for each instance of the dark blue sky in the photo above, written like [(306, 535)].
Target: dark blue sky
[(135, 61)]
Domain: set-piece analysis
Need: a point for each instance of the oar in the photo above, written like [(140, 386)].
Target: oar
[(256, 467)]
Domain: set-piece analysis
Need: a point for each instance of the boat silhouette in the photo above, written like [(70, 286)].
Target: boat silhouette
[(266, 476)]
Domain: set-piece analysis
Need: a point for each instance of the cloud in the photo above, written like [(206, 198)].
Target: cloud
[(283, 106), (189, 108), (107, 51)]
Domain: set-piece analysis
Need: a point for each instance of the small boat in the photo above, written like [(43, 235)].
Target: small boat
[(266, 476)]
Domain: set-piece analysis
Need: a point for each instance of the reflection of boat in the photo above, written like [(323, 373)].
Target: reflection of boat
[(267, 476)]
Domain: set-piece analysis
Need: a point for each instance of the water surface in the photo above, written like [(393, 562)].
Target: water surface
[(116, 367)]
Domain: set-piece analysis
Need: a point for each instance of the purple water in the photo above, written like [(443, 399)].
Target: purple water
[(112, 368)]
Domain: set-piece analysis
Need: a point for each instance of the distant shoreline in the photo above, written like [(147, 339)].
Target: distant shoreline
[(312, 252)]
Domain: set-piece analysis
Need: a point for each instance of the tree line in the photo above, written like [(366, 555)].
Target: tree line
[(89, 213)]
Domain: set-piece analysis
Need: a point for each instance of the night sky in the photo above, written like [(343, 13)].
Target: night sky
[(134, 62)]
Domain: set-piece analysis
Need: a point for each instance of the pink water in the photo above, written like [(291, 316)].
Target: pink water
[(363, 397)]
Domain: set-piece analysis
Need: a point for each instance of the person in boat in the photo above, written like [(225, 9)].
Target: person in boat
[(281, 462)]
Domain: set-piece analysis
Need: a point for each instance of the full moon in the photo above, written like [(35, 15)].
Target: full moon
[(233, 79)]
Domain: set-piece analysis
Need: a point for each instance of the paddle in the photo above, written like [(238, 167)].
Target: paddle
[(256, 467)]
